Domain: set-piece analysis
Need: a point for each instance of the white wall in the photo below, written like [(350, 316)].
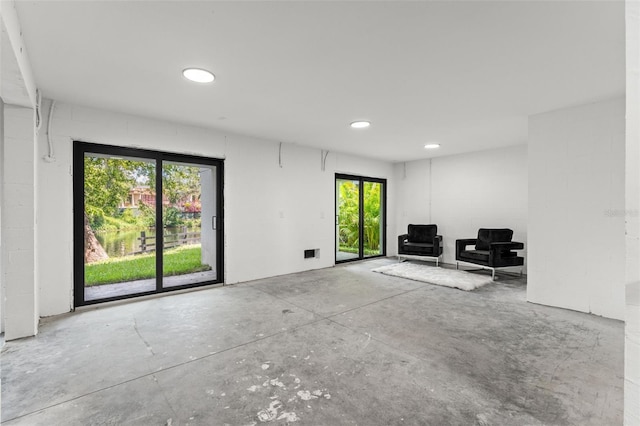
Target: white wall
[(413, 189), (272, 213), (462, 193), (576, 208)]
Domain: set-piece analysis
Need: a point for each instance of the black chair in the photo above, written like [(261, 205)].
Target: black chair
[(421, 240), (492, 249)]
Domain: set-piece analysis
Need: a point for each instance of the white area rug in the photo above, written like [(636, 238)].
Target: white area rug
[(432, 275)]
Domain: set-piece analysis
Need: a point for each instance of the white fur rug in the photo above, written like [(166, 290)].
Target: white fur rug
[(432, 275)]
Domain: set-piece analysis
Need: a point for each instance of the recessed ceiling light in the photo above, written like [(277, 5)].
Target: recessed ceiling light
[(198, 75), (360, 124), (432, 146)]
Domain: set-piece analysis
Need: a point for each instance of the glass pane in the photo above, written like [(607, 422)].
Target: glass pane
[(189, 223), (348, 219), (119, 224), (372, 219)]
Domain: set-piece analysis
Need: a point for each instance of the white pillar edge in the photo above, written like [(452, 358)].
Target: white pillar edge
[(632, 217), (10, 26)]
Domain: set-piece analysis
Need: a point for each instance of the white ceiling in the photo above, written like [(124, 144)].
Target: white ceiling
[(463, 74)]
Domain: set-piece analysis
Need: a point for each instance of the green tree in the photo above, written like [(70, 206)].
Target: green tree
[(179, 181), (107, 182), (372, 216), (171, 217), (349, 216)]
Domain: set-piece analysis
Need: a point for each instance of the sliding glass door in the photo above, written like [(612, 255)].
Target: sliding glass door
[(360, 217), (347, 219), (372, 218), (190, 223), (144, 222), (115, 260)]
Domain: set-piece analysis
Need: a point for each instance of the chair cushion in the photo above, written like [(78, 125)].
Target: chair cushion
[(422, 233), (488, 236), (475, 255), (418, 248)]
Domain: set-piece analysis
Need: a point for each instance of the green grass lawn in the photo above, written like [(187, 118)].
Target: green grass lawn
[(177, 261)]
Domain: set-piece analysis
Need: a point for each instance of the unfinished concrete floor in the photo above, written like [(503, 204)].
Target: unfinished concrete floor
[(336, 346)]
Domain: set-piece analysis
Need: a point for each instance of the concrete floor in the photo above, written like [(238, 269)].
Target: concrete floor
[(336, 346)]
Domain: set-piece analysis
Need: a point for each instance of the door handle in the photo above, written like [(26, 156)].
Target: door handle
[(214, 223)]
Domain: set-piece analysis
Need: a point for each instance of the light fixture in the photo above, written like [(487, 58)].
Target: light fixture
[(432, 146), (360, 124), (198, 75)]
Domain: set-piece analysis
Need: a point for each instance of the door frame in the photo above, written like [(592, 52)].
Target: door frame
[(383, 203), (81, 148)]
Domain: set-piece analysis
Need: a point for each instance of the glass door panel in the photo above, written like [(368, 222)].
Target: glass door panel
[(190, 223), (372, 217), (119, 226), (128, 240), (360, 217), (347, 219)]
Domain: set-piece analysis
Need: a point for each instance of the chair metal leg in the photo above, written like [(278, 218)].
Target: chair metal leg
[(493, 274), (456, 264)]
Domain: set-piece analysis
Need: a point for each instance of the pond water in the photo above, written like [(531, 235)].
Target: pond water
[(123, 243)]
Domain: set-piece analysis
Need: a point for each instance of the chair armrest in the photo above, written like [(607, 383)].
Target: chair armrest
[(499, 251), (461, 245), (437, 245), (401, 240), (513, 245)]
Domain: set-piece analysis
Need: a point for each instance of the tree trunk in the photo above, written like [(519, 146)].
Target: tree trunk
[(93, 251)]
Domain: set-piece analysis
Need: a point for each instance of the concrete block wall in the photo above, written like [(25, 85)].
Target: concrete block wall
[(19, 274), (576, 208), (274, 210)]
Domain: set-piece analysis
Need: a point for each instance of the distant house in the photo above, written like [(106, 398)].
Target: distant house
[(144, 195), (189, 205)]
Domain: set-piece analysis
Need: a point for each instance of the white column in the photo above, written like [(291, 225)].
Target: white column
[(18, 223), (632, 196), (1, 207)]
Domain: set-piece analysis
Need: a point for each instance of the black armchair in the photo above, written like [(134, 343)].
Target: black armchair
[(492, 249), (421, 240)]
